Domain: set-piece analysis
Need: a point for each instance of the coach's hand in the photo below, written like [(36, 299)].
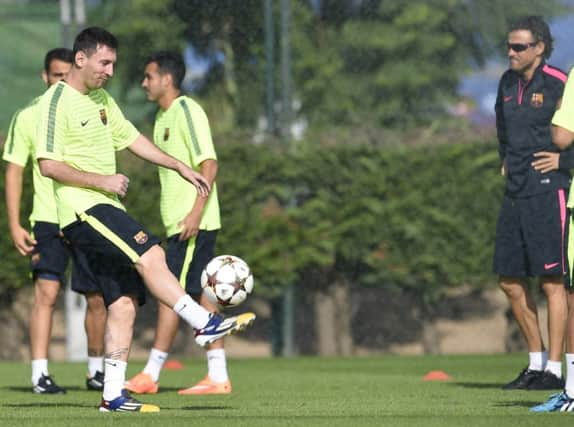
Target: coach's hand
[(546, 161), (116, 184)]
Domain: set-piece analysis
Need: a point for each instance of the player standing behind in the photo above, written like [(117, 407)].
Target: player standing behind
[(182, 130), (563, 135), (82, 128), (49, 256), (531, 226)]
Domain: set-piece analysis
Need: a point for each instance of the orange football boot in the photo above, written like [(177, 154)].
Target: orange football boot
[(207, 386), (142, 384)]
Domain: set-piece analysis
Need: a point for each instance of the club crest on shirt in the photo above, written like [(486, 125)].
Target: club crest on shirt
[(166, 134), (140, 237), (537, 100), (103, 116)]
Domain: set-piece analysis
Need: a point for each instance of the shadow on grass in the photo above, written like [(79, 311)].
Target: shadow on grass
[(28, 389), (477, 385), (518, 404), (45, 404)]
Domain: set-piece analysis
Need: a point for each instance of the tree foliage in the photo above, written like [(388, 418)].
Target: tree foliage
[(381, 62)]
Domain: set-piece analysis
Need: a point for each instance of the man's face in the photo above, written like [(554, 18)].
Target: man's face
[(58, 71), (523, 53), (98, 67), (154, 84)]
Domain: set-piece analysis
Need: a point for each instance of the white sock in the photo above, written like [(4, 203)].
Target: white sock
[(570, 374), (154, 363), (217, 365), (115, 378), (537, 360), (554, 367), (39, 368), (190, 311), (95, 364)]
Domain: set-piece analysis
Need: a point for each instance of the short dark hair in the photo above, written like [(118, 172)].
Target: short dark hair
[(60, 53), (539, 29), (90, 38), (169, 62)]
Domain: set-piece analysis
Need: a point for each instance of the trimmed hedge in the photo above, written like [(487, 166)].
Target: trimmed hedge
[(417, 218)]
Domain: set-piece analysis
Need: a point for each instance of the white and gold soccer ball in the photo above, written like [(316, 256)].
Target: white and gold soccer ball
[(227, 280)]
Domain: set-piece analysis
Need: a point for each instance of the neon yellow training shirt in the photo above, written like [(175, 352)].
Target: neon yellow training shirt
[(18, 148), (83, 131), (182, 131)]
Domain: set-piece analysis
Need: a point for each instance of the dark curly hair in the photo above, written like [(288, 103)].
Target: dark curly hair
[(539, 29)]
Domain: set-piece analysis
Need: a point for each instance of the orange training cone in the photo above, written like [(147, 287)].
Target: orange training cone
[(437, 376)]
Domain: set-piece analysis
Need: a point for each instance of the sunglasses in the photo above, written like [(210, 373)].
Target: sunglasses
[(520, 47)]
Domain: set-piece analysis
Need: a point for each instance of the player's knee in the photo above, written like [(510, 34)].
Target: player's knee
[(46, 294), (512, 288), (95, 303), (122, 310)]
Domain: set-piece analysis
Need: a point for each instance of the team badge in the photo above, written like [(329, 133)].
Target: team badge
[(141, 238), (103, 116), (537, 100), (166, 134)]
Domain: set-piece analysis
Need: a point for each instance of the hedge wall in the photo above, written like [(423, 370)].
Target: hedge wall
[(420, 218)]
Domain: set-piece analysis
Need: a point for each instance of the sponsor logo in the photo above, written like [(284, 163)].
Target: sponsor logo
[(507, 98), (537, 100), (545, 181), (550, 266), (84, 122), (103, 116), (141, 237), (166, 134)]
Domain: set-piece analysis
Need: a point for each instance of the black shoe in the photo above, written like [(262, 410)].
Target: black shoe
[(46, 385), (96, 382), (546, 381), (523, 380)]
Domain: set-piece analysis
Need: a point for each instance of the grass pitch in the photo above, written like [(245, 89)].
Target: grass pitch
[(381, 391)]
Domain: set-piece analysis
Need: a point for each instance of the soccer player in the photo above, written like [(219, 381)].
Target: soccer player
[(49, 255), (531, 226), (191, 222), (563, 135), (82, 128)]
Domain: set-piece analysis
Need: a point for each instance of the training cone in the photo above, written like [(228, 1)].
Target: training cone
[(173, 365), (437, 376)]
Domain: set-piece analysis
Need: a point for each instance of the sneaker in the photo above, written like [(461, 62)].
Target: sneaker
[(546, 381), (46, 385), (218, 327), (207, 386), (96, 382), (126, 403), (142, 384), (556, 402), (523, 380)]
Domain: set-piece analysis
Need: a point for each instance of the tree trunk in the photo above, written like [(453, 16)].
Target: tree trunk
[(333, 320)]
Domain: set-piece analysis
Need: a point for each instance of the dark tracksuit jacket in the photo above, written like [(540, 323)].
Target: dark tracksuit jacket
[(524, 113)]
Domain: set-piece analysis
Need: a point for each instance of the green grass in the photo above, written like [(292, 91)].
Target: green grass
[(386, 390)]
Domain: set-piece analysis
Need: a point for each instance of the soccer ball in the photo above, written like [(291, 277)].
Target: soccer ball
[(227, 280)]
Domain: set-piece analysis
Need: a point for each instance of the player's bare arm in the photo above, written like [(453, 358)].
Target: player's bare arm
[(64, 173), (145, 149), (190, 224), (23, 241), (562, 137)]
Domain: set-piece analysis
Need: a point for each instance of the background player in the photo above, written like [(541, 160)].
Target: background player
[(49, 257), (191, 222)]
